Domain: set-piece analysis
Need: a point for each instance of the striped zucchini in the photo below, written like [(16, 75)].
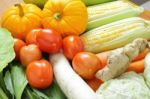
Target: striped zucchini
[(113, 11), (116, 34)]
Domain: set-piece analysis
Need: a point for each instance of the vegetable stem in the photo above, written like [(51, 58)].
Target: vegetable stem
[(21, 12), (58, 16)]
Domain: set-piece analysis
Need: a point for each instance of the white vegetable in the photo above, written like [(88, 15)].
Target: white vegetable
[(128, 86), (147, 69), (71, 84)]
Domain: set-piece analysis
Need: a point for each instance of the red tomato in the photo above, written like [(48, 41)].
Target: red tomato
[(31, 36), (86, 64), (72, 45), (39, 74), (18, 44), (49, 41), (29, 54), (94, 83)]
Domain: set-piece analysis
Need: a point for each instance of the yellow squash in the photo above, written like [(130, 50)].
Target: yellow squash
[(19, 19), (0, 22), (66, 16)]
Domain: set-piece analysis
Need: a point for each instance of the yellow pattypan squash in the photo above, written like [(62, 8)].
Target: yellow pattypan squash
[(19, 19), (68, 17)]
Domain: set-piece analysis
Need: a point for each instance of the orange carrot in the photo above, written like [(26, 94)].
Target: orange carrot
[(141, 55), (94, 83), (103, 57), (146, 15), (137, 66)]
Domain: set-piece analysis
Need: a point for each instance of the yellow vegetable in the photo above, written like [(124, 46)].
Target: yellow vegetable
[(116, 34), (68, 17), (109, 12), (19, 19)]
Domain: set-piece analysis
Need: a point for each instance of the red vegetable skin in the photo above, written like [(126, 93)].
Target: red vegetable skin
[(86, 64), (29, 54), (18, 44), (49, 41), (39, 74), (94, 83), (72, 45), (31, 36)]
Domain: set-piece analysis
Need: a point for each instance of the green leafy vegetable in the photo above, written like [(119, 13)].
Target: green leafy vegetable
[(19, 80), (30, 94), (2, 94), (3, 86), (129, 86), (15, 82), (8, 83), (7, 53), (54, 92), (40, 94)]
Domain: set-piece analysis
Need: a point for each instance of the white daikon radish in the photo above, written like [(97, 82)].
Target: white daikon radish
[(71, 84)]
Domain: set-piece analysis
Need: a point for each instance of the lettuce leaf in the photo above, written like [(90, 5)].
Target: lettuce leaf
[(7, 53), (129, 86)]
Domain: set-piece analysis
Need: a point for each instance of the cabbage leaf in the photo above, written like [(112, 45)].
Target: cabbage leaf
[(7, 53), (128, 86)]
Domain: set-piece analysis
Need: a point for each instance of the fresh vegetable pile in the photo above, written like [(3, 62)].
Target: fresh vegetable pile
[(74, 49)]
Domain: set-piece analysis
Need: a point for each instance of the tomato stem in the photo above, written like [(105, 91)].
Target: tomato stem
[(21, 12), (57, 16)]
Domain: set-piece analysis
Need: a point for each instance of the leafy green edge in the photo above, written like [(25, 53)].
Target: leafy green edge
[(6, 48), (17, 73)]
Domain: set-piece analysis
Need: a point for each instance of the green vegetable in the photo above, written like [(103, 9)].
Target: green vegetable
[(7, 53), (54, 92), (2, 84), (19, 80), (40, 94), (129, 86), (39, 3), (93, 2), (14, 82), (8, 83), (30, 94), (2, 94)]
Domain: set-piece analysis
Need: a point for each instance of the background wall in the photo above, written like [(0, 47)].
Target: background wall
[(4, 4)]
